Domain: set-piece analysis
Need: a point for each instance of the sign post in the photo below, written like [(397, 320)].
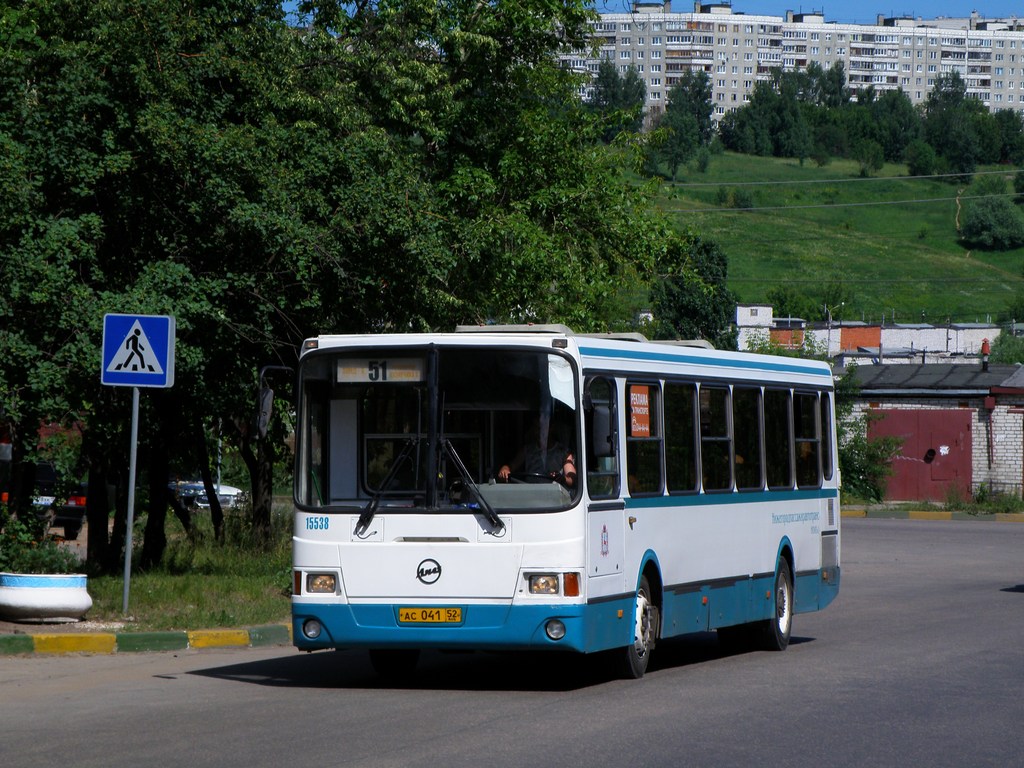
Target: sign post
[(138, 351)]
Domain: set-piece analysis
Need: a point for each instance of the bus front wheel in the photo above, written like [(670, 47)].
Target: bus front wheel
[(775, 631), (635, 656)]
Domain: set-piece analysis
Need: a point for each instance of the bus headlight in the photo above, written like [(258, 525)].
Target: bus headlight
[(321, 583), (543, 583), (312, 629)]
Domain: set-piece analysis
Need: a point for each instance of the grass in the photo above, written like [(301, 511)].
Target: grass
[(205, 585), (890, 242)]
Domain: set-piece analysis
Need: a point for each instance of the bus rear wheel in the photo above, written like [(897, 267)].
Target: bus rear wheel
[(775, 632), (635, 657)]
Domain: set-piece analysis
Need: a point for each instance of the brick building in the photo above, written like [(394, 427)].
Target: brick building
[(961, 426)]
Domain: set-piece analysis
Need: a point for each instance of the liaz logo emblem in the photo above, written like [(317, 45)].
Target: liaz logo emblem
[(428, 571)]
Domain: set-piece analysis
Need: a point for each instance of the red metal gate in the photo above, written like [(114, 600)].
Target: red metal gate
[(935, 456)]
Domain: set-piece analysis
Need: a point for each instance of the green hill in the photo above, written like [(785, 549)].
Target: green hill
[(890, 242)]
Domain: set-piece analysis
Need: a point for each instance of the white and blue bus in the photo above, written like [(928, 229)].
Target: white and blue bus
[(678, 489)]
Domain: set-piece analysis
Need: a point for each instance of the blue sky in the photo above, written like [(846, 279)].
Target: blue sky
[(851, 11)]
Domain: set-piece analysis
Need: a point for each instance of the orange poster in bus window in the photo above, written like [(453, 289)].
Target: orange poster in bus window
[(639, 411)]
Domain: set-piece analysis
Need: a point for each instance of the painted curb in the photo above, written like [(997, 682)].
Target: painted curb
[(135, 642)]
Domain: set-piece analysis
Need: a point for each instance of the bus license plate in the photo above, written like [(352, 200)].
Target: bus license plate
[(422, 615)]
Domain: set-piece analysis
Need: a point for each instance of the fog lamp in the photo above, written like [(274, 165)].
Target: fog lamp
[(543, 583), (312, 629), (555, 629), (321, 582)]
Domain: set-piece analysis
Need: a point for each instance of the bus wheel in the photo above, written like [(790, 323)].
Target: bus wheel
[(635, 656), (394, 664), (776, 631)]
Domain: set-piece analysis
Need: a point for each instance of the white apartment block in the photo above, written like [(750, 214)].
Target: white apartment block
[(737, 50)]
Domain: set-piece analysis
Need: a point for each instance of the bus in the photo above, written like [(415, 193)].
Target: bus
[(680, 490)]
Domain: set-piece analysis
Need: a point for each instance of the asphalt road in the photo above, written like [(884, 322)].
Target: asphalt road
[(920, 661)]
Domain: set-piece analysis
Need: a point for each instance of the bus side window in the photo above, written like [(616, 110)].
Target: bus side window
[(681, 438), (778, 439), (808, 442), (643, 439), (746, 426), (827, 462), (715, 449), (602, 441)]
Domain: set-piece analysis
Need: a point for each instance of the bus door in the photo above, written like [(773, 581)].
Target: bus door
[(605, 506)]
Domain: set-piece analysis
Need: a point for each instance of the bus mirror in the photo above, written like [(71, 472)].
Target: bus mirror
[(602, 441), (265, 407)]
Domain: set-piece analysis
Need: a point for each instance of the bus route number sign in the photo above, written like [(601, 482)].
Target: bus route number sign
[(380, 370)]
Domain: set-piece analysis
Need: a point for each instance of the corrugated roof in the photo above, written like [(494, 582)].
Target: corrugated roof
[(937, 376)]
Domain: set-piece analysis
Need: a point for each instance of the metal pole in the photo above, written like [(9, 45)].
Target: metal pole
[(131, 499)]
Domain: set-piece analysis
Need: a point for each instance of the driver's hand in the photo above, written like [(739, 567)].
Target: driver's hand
[(504, 472)]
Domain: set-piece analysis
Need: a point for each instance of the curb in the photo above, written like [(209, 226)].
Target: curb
[(133, 642)]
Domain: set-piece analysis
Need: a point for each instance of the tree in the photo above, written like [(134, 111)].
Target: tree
[(1010, 126), (869, 155), (896, 122), (692, 300), (993, 223), (396, 165), (619, 99), (920, 158), (948, 125)]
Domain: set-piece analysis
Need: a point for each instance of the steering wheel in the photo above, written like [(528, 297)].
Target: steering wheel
[(537, 477)]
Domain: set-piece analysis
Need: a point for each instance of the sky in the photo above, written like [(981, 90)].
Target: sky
[(851, 11)]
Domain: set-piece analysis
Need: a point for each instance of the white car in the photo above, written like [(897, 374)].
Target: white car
[(228, 495)]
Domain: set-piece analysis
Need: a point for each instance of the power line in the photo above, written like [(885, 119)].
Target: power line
[(913, 201), (679, 185)]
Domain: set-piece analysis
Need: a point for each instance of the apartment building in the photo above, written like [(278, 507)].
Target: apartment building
[(736, 50)]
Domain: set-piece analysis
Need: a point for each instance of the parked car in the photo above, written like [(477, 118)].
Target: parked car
[(229, 496), (188, 491), (69, 512), (193, 494)]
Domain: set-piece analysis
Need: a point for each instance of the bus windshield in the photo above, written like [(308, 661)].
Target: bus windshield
[(454, 428)]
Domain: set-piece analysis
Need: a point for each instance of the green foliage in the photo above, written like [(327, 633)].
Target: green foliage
[(244, 581), (396, 165), (685, 128), (618, 99), (993, 223), (692, 300), (865, 464), (869, 155), (25, 547), (1007, 349), (819, 229), (920, 158)]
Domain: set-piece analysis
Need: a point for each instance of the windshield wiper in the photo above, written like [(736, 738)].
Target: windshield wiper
[(371, 508), (488, 510)]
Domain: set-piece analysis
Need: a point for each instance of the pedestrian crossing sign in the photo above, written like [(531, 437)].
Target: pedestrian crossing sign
[(138, 351)]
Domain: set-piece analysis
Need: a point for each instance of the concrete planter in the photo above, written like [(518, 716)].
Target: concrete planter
[(47, 597)]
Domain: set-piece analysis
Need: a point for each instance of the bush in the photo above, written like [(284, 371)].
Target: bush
[(993, 223), (25, 548)]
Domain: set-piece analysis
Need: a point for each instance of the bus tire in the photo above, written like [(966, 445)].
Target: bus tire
[(775, 632), (394, 664), (635, 656)]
